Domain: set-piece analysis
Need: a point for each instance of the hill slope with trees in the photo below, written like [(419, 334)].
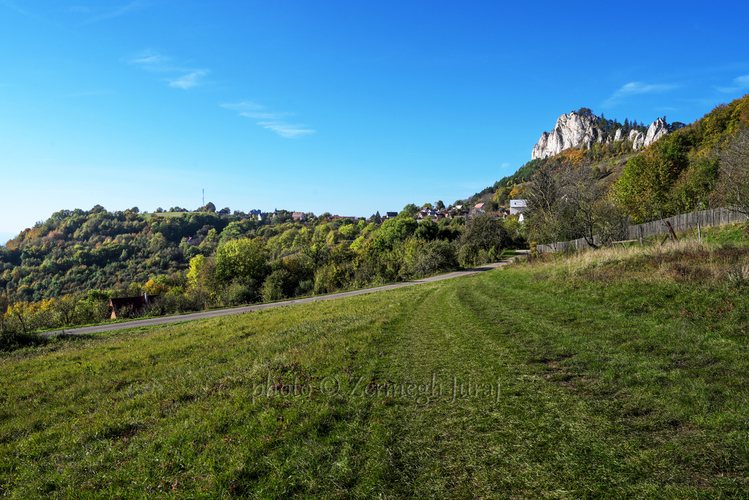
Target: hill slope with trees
[(601, 189), (62, 271)]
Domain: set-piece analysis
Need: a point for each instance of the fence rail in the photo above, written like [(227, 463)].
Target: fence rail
[(714, 217)]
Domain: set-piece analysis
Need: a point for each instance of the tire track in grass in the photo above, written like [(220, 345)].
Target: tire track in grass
[(549, 424), (475, 447), (621, 425), (440, 450)]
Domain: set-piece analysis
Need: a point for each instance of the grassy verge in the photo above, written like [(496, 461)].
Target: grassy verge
[(616, 374)]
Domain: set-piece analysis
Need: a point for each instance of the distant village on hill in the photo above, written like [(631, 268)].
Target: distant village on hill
[(423, 213)]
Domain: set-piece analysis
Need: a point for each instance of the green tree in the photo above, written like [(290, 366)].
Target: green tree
[(276, 285), (733, 188), (4, 304), (427, 230), (544, 214), (645, 187), (409, 210), (427, 258), (65, 308), (393, 231), (197, 264), (486, 232), (244, 260)]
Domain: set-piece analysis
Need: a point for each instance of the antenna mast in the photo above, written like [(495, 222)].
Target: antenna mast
[(203, 197)]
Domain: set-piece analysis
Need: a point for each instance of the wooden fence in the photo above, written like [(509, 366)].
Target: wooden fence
[(714, 217)]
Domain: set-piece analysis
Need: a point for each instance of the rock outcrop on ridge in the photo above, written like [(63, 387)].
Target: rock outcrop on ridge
[(575, 130), (656, 130), (637, 139), (571, 131)]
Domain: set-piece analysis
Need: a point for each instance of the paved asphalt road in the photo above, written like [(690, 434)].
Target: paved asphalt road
[(163, 320)]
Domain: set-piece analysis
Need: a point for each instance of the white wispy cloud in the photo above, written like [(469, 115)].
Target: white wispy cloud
[(119, 11), (149, 58), (286, 129), (189, 80), (242, 106), (633, 88), (739, 83), (183, 78), (271, 120), (253, 110), (264, 116), (637, 88)]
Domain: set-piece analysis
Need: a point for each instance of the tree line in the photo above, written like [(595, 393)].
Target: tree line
[(63, 271)]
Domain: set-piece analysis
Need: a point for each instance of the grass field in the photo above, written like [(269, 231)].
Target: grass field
[(614, 374)]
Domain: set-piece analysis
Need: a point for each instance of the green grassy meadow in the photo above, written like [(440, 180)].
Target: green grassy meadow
[(612, 374)]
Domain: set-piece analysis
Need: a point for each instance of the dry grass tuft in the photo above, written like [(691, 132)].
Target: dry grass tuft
[(688, 261)]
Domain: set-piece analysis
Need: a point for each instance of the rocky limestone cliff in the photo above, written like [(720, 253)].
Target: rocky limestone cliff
[(637, 139), (574, 131), (656, 130), (571, 131)]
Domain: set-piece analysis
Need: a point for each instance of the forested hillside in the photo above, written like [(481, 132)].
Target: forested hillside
[(61, 271), (688, 169)]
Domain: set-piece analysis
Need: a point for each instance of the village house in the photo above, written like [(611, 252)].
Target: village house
[(517, 206), (477, 210), (126, 307)]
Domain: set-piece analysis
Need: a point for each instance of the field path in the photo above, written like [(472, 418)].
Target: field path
[(163, 320)]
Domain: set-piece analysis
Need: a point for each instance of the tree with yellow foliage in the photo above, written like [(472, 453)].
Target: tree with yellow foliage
[(517, 192), (153, 287)]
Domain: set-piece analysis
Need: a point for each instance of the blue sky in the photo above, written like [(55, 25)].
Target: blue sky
[(347, 107)]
